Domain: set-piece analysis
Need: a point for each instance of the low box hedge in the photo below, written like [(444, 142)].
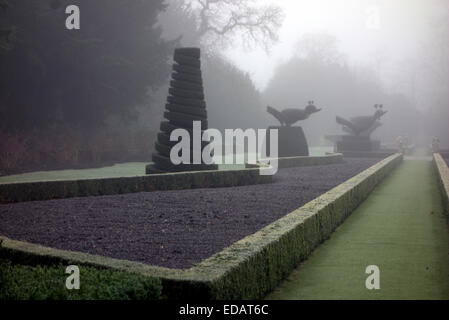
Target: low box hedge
[(47, 282), (29, 191), (302, 161), (253, 266), (443, 176)]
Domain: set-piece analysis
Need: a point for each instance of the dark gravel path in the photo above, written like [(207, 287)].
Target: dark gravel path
[(170, 228)]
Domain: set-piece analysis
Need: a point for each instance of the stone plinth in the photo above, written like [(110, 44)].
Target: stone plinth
[(291, 141)]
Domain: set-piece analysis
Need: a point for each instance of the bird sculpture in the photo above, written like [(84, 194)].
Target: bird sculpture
[(287, 117), (364, 125)]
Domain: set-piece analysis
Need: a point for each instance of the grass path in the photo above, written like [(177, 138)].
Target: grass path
[(400, 228)]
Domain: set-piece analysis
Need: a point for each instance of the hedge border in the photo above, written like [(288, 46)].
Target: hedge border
[(253, 266), (443, 177), (45, 190), (58, 189), (300, 161), (369, 154)]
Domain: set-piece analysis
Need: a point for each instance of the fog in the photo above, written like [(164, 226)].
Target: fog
[(389, 52), (97, 95), (386, 35)]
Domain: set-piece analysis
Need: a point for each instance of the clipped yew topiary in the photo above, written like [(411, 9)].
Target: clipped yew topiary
[(185, 104)]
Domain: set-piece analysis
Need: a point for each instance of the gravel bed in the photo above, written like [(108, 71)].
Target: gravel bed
[(173, 229)]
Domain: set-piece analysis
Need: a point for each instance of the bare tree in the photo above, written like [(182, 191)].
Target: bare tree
[(221, 22)]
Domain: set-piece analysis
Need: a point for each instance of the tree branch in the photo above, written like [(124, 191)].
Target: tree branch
[(221, 20)]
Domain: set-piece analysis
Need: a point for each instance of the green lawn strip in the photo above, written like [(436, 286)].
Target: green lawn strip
[(129, 169), (47, 282), (400, 228), (119, 170)]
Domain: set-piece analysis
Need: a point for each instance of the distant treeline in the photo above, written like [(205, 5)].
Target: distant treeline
[(96, 95), (319, 72), (60, 88)]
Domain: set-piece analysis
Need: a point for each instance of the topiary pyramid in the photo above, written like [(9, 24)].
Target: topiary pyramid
[(185, 104)]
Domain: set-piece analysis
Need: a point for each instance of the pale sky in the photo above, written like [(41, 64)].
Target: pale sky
[(381, 34)]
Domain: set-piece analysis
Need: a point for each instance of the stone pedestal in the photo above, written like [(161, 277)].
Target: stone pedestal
[(356, 143), (291, 142)]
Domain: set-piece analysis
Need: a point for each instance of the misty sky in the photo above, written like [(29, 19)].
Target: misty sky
[(392, 42)]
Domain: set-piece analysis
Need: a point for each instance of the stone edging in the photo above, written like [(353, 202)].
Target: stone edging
[(253, 266), (28, 191), (288, 162), (302, 161), (443, 177), (368, 154)]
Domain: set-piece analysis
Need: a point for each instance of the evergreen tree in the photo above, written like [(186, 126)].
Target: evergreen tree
[(78, 77)]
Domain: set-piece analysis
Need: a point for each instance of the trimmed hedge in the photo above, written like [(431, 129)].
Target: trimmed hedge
[(47, 282), (288, 162), (443, 177), (58, 189), (369, 154), (253, 266), (17, 192)]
